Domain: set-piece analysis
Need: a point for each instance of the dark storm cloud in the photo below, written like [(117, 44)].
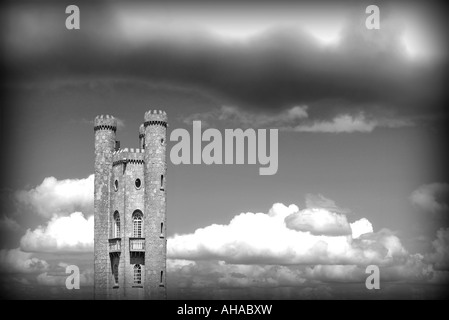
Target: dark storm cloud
[(276, 69)]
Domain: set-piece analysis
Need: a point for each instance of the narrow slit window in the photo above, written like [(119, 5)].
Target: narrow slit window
[(162, 277), (162, 230), (137, 274), (162, 182), (116, 232)]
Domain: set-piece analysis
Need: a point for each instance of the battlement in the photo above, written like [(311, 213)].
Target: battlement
[(105, 122), (128, 155), (129, 150), (155, 117)]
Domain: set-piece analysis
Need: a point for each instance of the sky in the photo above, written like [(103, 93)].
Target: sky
[(361, 116)]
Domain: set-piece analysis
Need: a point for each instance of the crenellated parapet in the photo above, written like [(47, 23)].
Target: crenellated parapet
[(155, 118), (128, 155), (106, 122)]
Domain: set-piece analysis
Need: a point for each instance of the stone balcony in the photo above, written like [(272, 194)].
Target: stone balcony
[(115, 245), (137, 244)]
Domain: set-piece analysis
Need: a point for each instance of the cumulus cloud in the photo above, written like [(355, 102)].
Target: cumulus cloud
[(256, 252), (360, 227), (320, 201), (319, 221), (73, 233), (60, 197), (206, 264), (433, 197), (259, 238), (17, 261)]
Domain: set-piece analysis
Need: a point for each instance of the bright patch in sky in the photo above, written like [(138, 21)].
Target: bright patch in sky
[(325, 35)]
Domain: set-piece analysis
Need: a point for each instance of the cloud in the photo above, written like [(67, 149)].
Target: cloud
[(280, 66), (433, 198), (58, 278), (207, 264), (320, 201), (258, 238), (410, 269), (17, 261), (219, 280), (360, 227), (346, 123), (59, 197), (440, 257), (342, 123), (234, 116), (73, 233), (319, 222), (256, 255), (335, 273), (8, 224), (294, 119)]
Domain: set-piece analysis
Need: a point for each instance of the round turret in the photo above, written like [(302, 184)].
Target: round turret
[(105, 128), (155, 204)]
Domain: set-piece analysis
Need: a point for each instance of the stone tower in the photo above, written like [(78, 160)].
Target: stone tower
[(130, 204)]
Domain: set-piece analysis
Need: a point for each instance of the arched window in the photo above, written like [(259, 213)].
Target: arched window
[(137, 224), (137, 274), (115, 273), (116, 232)]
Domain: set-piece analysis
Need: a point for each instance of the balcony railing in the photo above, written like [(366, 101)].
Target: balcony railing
[(114, 245), (137, 244)]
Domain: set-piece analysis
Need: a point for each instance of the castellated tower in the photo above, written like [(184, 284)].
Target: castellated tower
[(130, 204)]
